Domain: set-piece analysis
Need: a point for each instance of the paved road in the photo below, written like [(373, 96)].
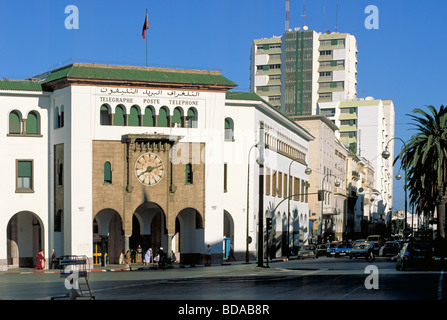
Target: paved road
[(320, 279)]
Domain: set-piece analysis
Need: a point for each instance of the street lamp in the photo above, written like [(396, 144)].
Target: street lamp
[(248, 239), (321, 194), (386, 154)]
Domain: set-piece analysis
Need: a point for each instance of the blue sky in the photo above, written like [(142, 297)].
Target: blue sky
[(403, 60)]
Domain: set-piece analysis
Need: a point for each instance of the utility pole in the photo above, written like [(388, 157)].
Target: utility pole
[(261, 147)]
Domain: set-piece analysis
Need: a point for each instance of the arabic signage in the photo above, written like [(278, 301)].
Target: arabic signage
[(148, 96)]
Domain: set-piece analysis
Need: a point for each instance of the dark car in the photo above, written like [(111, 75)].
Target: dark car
[(307, 251), (330, 249), (321, 250), (343, 249), (361, 250), (414, 254), (390, 248)]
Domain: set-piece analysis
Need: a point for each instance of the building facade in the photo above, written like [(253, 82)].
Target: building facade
[(366, 128), (102, 159), (302, 68), (328, 158)]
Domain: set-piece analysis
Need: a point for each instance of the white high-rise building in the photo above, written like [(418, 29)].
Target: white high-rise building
[(301, 68), (366, 127)]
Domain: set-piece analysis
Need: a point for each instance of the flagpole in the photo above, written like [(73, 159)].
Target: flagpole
[(146, 39)]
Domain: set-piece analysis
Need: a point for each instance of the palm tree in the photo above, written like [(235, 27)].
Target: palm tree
[(425, 159)]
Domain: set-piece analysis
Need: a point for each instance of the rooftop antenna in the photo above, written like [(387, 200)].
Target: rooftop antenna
[(287, 15), (304, 13), (336, 17), (324, 15)]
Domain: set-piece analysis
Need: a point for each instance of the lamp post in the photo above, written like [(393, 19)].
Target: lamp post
[(386, 154), (248, 240), (307, 171), (322, 191)]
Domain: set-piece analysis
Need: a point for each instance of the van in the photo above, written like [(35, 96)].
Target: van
[(376, 238)]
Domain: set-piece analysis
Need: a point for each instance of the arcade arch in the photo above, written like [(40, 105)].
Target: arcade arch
[(25, 238)]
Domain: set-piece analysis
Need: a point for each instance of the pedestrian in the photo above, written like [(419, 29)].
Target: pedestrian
[(40, 261), (161, 258), (231, 253), (128, 260), (147, 257), (53, 261), (208, 256), (173, 257), (139, 253), (371, 250), (121, 259)]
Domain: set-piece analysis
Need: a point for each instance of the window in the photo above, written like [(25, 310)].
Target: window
[(24, 176), (119, 117), (326, 74), (192, 118), (15, 122), (188, 174), (105, 115), (107, 173), (149, 117), (58, 117), (267, 181), (274, 180), (32, 123), (177, 118), (229, 129), (225, 177), (163, 117), (296, 188), (58, 221), (134, 116), (60, 174), (325, 53)]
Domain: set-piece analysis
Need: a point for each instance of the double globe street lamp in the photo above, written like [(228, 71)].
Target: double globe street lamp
[(386, 154)]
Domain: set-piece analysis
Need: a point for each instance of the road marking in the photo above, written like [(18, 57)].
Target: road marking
[(441, 277), (349, 293)]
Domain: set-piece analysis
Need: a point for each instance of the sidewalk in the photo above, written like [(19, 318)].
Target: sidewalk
[(135, 267)]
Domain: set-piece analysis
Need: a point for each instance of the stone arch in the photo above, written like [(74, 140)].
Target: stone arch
[(189, 236), (108, 235), (148, 227), (25, 238)]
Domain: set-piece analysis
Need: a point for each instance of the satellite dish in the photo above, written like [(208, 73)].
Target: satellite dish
[(305, 28)]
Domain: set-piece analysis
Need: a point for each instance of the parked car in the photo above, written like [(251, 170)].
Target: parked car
[(414, 254), (390, 248), (307, 251), (343, 249), (330, 250), (360, 250), (321, 250)]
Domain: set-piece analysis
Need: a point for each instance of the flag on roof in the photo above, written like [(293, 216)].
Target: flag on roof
[(145, 26)]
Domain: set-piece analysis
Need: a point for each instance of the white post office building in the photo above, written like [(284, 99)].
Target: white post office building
[(97, 159)]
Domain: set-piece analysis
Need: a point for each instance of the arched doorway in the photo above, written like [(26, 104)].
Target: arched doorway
[(107, 236), (189, 236), (25, 238), (228, 233), (148, 228)]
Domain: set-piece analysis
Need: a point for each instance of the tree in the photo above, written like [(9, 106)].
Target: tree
[(425, 159)]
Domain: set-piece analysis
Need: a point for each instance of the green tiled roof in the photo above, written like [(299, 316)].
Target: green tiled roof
[(234, 95), (139, 74), (20, 85)]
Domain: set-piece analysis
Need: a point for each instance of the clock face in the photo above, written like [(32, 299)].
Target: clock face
[(149, 169)]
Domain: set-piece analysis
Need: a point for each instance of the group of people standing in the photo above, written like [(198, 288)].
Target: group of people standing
[(160, 257)]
